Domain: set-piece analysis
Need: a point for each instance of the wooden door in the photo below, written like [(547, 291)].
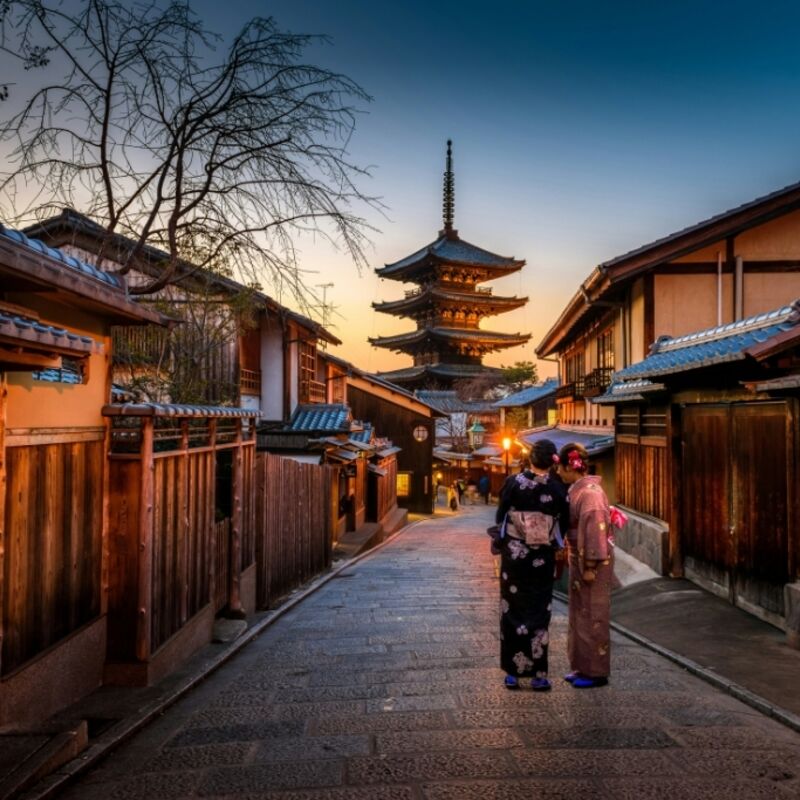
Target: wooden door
[(734, 500)]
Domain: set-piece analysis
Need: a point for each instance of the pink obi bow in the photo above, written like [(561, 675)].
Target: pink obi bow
[(618, 520)]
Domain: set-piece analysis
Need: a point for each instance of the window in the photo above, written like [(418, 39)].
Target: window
[(605, 349), (71, 372), (403, 484), (308, 361), (573, 366), (420, 433)]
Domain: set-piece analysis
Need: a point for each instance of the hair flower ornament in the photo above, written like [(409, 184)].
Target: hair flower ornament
[(575, 461), (556, 459)]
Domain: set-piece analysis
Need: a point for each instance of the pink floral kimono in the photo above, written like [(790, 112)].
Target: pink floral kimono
[(589, 641)]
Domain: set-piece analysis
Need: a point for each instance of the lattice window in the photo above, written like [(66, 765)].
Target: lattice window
[(574, 366), (605, 349), (403, 484)]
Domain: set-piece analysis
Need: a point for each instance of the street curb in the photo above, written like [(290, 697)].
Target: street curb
[(715, 679), (57, 781)]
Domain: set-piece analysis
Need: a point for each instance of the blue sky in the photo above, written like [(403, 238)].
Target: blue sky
[(581, 130)]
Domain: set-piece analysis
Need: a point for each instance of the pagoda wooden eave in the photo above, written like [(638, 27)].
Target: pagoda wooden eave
[(448, 372), (489, 339), (435, 295), (451, 251)]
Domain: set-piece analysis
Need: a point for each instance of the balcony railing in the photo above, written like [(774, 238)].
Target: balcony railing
[(250, 381), (597, 381), (571, 391), (312, 392)]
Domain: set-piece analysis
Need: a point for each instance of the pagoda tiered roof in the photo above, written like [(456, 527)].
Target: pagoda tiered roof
[(421, 374), (436, 296), (448, 306), (490, 340), (449, 250)]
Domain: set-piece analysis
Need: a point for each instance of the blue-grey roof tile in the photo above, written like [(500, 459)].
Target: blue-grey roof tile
[(529, 395), (713, 346), (70, 261), (332, 417)]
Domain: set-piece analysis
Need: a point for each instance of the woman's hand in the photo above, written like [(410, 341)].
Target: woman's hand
[(589, 575)]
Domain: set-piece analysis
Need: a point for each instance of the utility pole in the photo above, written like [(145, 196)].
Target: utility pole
[(324, 287)]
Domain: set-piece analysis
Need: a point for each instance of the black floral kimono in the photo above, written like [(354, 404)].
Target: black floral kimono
[(526, 575)]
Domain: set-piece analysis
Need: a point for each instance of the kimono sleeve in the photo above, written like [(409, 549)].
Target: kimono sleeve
[(593, 520)]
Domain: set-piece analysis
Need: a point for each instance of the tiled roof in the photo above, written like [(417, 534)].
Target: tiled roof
[(70, 261), (455, 251), (530, 395), (628, 391), (363, 436), (457, 371), (450, 334), (175, 410), (560, 435), (330, 417), (713, 346), (35, 333), (449, 402)]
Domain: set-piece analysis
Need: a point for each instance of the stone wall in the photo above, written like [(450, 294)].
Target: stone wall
[(646, 539)]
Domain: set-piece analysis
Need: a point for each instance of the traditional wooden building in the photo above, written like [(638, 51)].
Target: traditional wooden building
[(739, 263), (235, 335), (56, 316), (534, 406), (707, 457), (448, 305), (407, 420)]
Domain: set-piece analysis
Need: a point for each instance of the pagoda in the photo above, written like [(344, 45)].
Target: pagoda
[(448, 305)]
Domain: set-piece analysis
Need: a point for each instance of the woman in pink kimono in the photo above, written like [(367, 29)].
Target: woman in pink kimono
[(591, 568)]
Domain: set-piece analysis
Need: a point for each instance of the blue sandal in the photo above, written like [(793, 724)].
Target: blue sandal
[(511, 682), (583, 682), (541, 685)]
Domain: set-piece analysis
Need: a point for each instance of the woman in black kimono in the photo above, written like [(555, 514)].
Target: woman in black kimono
[(527, 570)]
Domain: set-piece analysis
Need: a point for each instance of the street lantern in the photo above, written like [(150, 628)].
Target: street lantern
[(506, 450), (475, 434)]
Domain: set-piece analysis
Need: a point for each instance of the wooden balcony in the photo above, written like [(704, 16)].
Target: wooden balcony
[(597, 381), (312, 392), (569, 392), (250, 381)]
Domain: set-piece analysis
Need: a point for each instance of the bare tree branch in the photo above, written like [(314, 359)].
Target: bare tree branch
[(227, 159)]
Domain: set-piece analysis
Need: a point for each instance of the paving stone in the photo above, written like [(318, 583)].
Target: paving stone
[(377, 723), (515, 790), (600, 763), (316, 747), (345, 793), (279, 775), (503, 717), (186, 758), (302, 711), (238, 715), (601, 738), (714, 788), (777, 765), (230, 733), (399, 703), (428, 766), (749, 738), (425, 741)]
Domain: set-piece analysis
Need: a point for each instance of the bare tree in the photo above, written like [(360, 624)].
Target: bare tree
[(139, 126)]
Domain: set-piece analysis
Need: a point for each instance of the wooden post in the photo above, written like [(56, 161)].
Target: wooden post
[(211, 544), (145, 576), (235, 601), (184, 488), (3, 393), (674, 469)]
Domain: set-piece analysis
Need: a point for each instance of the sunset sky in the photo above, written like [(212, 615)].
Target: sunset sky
[(581, 130)]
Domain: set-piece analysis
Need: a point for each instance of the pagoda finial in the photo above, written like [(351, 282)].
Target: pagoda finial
[(448, 202)]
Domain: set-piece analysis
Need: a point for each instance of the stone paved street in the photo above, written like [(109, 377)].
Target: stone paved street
[(384, 685)]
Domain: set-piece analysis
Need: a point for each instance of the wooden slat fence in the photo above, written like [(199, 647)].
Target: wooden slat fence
[(293, 522), (642, 477), (52, 564), (386, 487)]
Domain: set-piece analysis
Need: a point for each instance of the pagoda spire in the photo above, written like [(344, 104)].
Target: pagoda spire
[(448, 202)]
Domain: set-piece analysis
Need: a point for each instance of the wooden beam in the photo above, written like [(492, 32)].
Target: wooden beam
[(144, 611), (3, 394), (20, 360), (235, 601)]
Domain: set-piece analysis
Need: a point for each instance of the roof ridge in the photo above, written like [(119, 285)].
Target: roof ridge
[(665, 344)]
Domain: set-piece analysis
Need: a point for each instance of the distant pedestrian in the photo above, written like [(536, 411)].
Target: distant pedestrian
[(532, 509), (591, 570), (483, 487), (461, 487)]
